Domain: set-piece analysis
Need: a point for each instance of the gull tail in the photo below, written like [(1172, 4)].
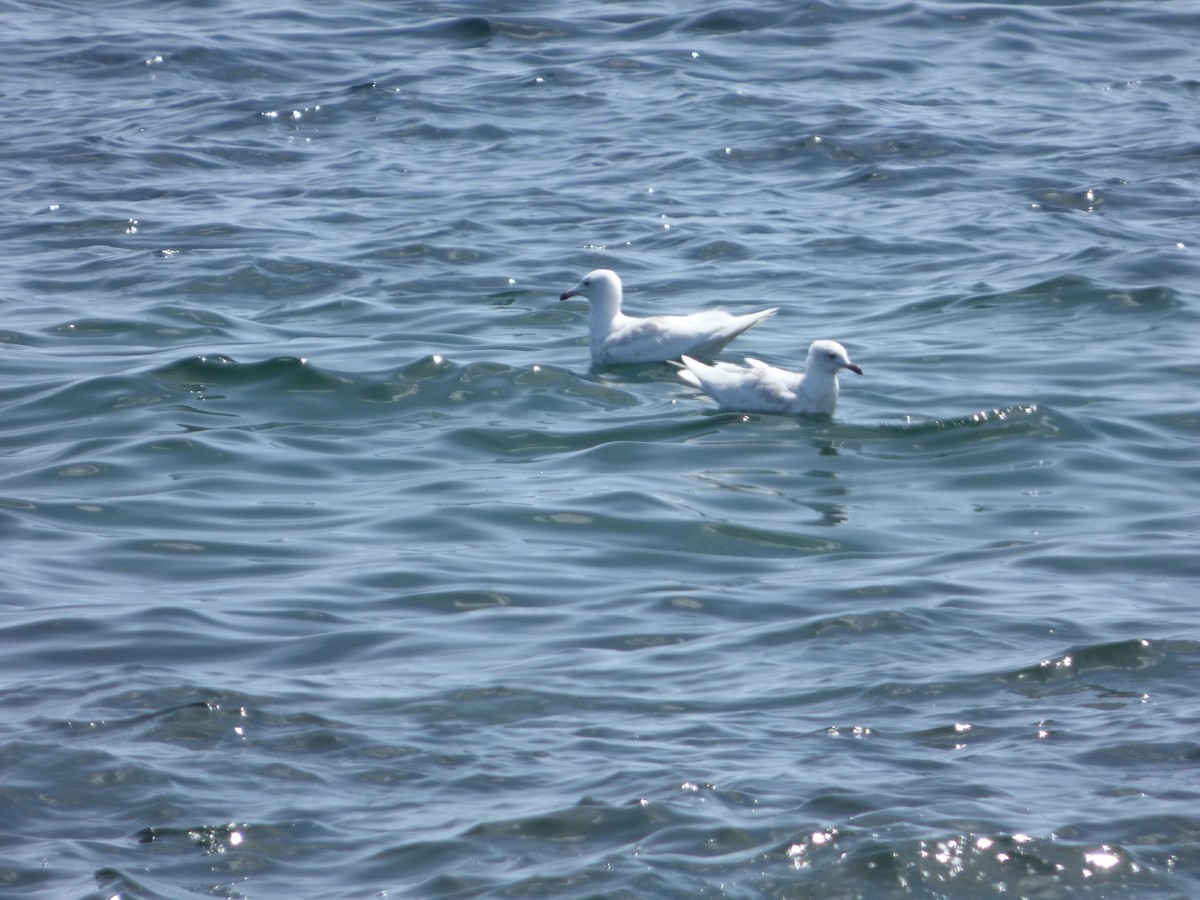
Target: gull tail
[(689, 370), (744, 323), (735, 326)]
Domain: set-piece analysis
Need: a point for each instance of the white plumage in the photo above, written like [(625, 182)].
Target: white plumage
[(767, 389), (618, 338)]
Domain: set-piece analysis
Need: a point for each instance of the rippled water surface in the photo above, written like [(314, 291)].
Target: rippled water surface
[(333, 569)]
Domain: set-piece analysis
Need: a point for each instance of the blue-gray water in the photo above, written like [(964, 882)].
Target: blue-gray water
[(332, 569)]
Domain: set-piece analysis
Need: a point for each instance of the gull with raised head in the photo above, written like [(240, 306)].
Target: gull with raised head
[(766, 389), (618, 338)]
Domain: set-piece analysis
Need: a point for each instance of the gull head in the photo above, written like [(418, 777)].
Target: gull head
[(829, 356), (601, 287)]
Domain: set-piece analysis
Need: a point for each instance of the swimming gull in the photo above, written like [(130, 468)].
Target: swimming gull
[(618, 338), (767, 389)]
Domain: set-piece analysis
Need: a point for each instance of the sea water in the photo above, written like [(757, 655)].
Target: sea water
[(332, 568)]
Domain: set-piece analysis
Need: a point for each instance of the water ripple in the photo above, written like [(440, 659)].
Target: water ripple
[(333, 568)]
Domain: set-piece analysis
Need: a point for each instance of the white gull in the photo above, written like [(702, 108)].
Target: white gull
[(618, 338), (766, 389)]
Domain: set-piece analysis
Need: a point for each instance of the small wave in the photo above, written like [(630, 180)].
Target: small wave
[(995, 863), (961, 434), (199, 374), (1075, 294), (1116, 656), (983, 417)]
